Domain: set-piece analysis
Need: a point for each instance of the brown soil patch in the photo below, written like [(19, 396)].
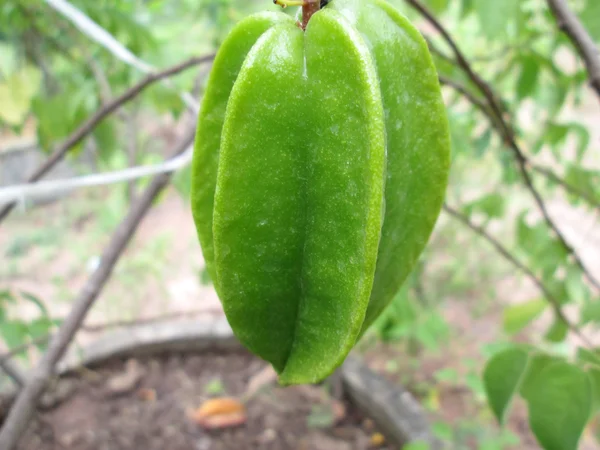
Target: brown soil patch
[(153, 411)]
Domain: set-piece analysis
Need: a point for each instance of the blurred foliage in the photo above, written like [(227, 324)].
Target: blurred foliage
[(55, 77)]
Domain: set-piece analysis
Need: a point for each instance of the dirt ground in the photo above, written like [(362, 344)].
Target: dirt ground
[(148, 404)]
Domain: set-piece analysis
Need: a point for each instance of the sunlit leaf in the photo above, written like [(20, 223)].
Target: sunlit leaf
[(519, 316), (560, 403)]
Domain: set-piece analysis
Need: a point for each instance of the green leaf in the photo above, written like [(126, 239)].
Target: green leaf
[(106, 139), (559, 406), (590, 313), (502, 377), (39, 327), (557, 133), (482, 143), (492, 205), (495, 16), (586, 181), (437, 6), (16, 95), (527, 82), (519, 316), (8, 60), (537, 363), (594, 376), (589, 356), (557, 332), (577, 291), (467, 7), (14, 333), (590, 16), (166, 100), (37, 302), (544, 251)]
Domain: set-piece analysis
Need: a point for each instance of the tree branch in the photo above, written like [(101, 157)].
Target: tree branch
[(552, 300), (465, 92), (88, 127), (544, 171), (581, 39), (21, 412), (507, 133)]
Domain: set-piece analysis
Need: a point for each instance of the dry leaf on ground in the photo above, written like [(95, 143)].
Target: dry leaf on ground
[(219, 413)]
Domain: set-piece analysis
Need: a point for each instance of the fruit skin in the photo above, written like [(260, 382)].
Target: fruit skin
[(320, 166)]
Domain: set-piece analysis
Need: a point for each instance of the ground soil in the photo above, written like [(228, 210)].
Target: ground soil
[(106, 411)]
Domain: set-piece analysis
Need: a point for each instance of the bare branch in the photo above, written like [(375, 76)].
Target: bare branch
[(565, 184), (552, 300), (43, 189), (569, 23), (94, 31), (544, 171), (89, 126), (507, 133), (20, 414), (465, 92)]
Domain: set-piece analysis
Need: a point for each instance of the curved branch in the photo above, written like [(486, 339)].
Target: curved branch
[(507, 133), (552, 300), (88, 127), (21, 412), (544, 171), (581, 39)]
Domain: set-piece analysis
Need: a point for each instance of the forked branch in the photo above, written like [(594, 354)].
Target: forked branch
[(91, 123), (508, 135), (570, 24), (21, 412)]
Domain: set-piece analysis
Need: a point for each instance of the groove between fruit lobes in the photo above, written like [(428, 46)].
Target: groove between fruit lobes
[(290, 170)]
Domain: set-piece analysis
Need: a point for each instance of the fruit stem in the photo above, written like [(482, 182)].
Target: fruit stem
[(309, 7)]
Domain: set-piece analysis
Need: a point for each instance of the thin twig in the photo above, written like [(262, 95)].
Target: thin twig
[(570, 24), (508, 134), (483, 107), (552, 300), (465, 92), (91, 123), (565, 184), (546, 172), (21, 412)]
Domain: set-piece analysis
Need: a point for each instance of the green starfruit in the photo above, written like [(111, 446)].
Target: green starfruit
[(320, 166)]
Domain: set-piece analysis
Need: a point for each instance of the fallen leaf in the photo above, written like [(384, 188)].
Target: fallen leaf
[(219, 413), (377, 440), (223, 405)]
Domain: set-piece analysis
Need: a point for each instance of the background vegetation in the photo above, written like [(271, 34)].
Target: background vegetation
[(505, 303)]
